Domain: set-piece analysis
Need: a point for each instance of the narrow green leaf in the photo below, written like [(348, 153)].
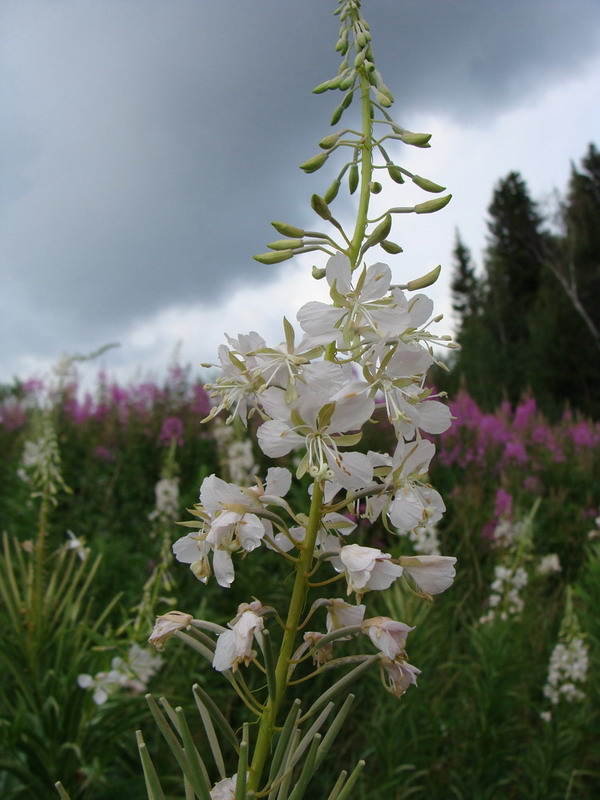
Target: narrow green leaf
[(334, 729), (153, 786), (242, 769), (216, 715), (308, 770), (63, 792), (198, 776), (283, 740), (345, 793)]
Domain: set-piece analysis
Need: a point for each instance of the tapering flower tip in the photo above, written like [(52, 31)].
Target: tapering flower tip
[(285, 229), (273, 258), (285, 244), (320, 207), (314, 163), (395, 173), (425, 280), (166, 625), (375, 187), (327, 142), (432, 574), (429, 206), (390, 247), (427, 185), (318, 273)]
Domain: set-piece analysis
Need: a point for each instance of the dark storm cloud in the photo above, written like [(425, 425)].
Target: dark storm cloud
[(147, 143)]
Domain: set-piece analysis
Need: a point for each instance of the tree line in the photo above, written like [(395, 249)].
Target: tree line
[(529, 320)]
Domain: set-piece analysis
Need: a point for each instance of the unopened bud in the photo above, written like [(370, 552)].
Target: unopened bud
[(390, 247), (353, 178), (318, 273), (430, 206), (273, 258), (375, 187), (285, 229), (327, 142), (331, 193), (382, 99), (395, 173), (314, 163), (427, 185), (337, 113), (424, 281), (285, 244), (320, 207), (380, 232), (348, 81), (322, 87), (416, 139)]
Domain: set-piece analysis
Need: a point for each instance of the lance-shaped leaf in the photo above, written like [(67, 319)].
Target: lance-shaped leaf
[(308, 770), (153, 787), (203, 698)]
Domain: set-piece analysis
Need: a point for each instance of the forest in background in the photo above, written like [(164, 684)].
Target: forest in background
[(529, 319)]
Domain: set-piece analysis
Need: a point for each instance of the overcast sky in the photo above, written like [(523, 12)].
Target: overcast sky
[(147, 144)]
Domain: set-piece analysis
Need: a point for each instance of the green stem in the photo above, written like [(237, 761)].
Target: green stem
[(296, 607), (366, 159)]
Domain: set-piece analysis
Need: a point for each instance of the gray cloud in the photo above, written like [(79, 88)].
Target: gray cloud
[(148, 143)]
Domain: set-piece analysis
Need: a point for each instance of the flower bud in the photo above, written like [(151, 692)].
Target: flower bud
[(416, 139), (348, 81), (337, 113), (314, 163), (375, 187), (390, 247), (320, 207), (327, 142), (285, 229), (322, 87), (285, 244), (425, 280), (380, 232), (331, 193), (382, 99), (429, 206), (318, 273), (353, 178), (427, 185), (395, 173), (273, 258)]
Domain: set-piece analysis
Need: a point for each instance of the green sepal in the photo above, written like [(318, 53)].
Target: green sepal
[(325, 414), (302, 467), (314, 163), (427, 185), (289, 334), (273, 258), (285, 244), (429, 206), (348, 439)]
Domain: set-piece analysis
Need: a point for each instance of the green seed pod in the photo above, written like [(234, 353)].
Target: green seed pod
[(430, 206), (320, 207), (327, 142), (416, 139), (331, 193), (375, 187), (395, 173), (314, 163), (286, 244), (273, 258), (318, 273), (285, 229), (390, 247), (353, 178), (427, 185)]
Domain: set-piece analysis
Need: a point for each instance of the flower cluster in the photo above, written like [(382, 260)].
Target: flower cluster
[(567, 671), (133, 673), (166, 507), (505, 599)]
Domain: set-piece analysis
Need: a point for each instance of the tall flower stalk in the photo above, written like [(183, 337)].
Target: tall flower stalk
[(313, 397)]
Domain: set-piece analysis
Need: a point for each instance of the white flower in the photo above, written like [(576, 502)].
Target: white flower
[(341, 614), (224, 790), (166, 625), (76, 543), (432, 574), (103, 684), (366, 568), (235, 645), (387, 635), (550, 563), (400, 675)]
